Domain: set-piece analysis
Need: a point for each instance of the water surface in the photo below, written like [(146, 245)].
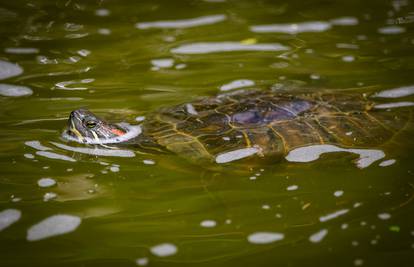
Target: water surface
[(124, 59)]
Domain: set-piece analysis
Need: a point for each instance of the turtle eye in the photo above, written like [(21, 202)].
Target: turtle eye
[(90, 124)]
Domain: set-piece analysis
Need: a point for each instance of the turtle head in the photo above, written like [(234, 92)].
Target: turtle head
[(86, 127)]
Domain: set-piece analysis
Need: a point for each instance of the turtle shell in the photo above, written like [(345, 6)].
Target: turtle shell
[(269, 124)]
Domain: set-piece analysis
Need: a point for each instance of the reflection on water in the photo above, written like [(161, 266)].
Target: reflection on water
[(126, 60), (312, 153), (180, 24), (396, 92), (8, 217), (205, 48), (53, 226), (8, 70), (14, 90)]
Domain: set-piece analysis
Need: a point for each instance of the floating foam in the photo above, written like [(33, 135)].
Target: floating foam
[(132, 131), (148, 162), (265, 237), (205, 48), (53, 226), (98, 151), (387, 163), (208, 223), (394, 105), (164, 250), (52, 155), (21, 50), (181, 24), (333, 215), (8, 217), (293, 28), (8, 70), (14, 90), (142, 261), (237, 84), (345, 21), (49, 196), (313, 152), (36, 145), (163, 62), (292, 188), (391, 30), (102, 12), (46, 182), (236, 154), (318, 236), (396, 92), (384, 216)]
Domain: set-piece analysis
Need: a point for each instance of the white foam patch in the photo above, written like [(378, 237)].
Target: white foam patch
[(46, 182), (333, 215), (348, 58), (102, 12), (318, 236), (52, 155), (396, 92), (236, 155), (104, 31), (313, 152), (132, 132), (53, 226), (114, 169), (29, 156), (84, 52), (49, 196), (123, 153), (265, 237), (181, 24), (391, 30), (345, 21), (237, 84), (394, 105), (387, 163), (8, 217), (384, 216), (208, 223), (292, 188), (140, 118), (36, 145), (205, 48), (148, 162), (293, 28), (163, 62), (14, 90), (21, 50), (164, 250), (8, 70), (142, 261)]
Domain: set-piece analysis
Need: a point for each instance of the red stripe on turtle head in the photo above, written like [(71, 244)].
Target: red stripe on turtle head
[(117, 132)]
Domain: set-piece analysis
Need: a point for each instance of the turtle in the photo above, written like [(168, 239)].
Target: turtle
[(260, 124)]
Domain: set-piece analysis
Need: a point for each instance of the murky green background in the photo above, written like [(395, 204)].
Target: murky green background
[(92, 54)]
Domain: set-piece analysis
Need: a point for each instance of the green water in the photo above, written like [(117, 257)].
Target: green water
[(94, 54)]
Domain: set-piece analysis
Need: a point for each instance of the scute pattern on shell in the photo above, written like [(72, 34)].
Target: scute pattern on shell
[(272, 122)]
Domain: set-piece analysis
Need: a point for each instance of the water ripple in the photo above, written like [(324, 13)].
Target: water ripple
[(180, 24), (205, 48)]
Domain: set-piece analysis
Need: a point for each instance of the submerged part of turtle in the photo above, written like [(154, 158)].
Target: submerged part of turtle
[(260, 124)]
